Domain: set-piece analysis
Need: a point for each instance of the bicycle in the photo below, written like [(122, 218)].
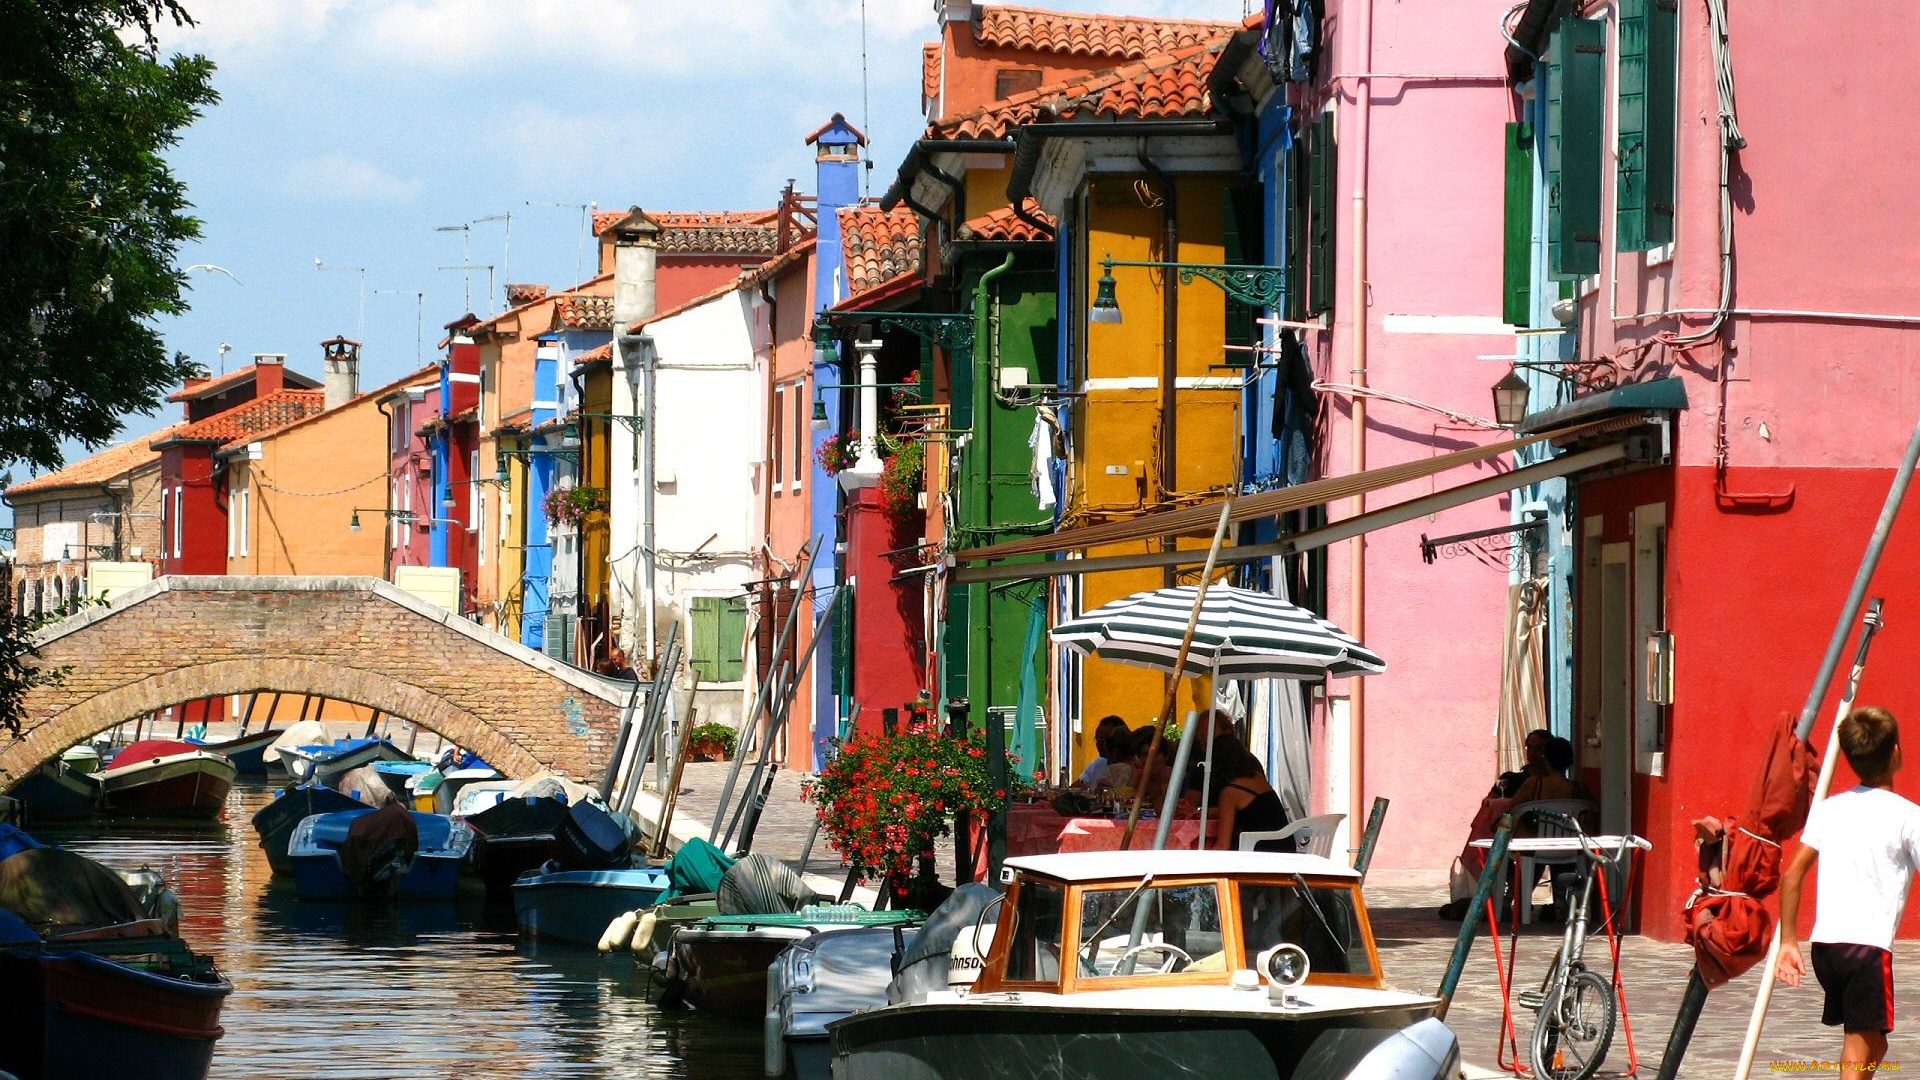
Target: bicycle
[(1577, 1008)]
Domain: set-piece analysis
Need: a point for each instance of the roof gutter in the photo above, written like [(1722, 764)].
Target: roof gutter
[(921, 156), (1026, 154)]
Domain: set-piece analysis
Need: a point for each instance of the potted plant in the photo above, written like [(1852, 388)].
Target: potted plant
[(900, 481), (572, 504), (838, 452), (711, 742), (883, 800)]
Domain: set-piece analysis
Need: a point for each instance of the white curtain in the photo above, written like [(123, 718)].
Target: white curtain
[(1278, 729), (1523, 698)]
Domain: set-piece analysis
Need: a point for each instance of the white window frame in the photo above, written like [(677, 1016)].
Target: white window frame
[(179, 511), (246, 518)]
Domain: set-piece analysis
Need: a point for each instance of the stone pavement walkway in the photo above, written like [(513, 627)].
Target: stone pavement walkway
[(1414, 946)]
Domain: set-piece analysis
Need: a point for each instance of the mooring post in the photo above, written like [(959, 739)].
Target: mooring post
[(1470, 922)]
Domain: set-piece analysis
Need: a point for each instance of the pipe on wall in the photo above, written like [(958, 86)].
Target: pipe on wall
[(1357, 290)]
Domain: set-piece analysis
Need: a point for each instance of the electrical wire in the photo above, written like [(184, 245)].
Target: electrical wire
[(1731, 139), (267, 483), (1351, 391)]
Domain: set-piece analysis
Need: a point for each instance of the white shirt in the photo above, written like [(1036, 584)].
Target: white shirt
[(1869, 844), (1095, 769)]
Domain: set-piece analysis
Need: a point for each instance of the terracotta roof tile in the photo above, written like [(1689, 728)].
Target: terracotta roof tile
[(879, 245), (242, 421), (1075, 34), (583, 311), (604, 352), (718, 232), (1170, 85), (232, 379), (1002, 226), (580, 292), (520, 295), (102, 468), (929, 76)]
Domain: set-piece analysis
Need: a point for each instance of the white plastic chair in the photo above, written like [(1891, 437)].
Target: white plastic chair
[(1312, 835), (1531, 817)]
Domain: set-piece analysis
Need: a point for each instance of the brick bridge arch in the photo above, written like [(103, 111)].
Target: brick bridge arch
[(353, 639)]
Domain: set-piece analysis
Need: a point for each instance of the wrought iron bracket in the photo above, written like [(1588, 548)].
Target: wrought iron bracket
[(1255, 286), (633, 422), (950, 330), (1526, 538)]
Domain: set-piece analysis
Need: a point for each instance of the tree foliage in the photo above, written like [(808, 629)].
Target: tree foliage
[(91, 217)]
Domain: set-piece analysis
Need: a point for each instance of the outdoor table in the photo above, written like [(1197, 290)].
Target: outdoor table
[(1507, 1055)]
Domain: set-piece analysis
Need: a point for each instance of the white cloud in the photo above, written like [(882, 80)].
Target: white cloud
[(338, 178)]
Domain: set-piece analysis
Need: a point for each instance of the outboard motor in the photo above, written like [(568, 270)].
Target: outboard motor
[(379, 850), (925, 966)]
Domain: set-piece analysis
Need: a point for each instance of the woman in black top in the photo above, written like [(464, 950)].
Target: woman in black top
[(1243, 801)]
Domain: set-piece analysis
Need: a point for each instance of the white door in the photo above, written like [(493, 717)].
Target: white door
[(1616, 681)]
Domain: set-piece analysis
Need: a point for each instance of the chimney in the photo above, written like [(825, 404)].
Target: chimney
[(343, 370), (520, 295), (269, 373), (837, 167), (636, 251)]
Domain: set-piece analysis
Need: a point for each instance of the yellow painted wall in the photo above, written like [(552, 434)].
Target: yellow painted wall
[(510, 538), (595, 470), (1120, 425), (986, 191), (304, 490)]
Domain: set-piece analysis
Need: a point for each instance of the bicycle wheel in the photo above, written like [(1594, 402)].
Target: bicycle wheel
[(1575, 1027)]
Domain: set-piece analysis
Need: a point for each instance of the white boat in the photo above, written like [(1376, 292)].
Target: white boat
[(1255, 965)]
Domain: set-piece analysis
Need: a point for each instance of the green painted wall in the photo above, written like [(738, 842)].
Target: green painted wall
[(988, 627)]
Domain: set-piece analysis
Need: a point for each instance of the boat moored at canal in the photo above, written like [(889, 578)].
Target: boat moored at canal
[(276, 821), (1163, 963), (390, 853), (163, 778), (577, 905)]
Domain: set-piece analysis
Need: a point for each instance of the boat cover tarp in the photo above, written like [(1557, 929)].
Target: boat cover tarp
[(365, 785), (379, 842), (696, 868), (54, 887), (758, 885), (149, 750), (14, 840), (298, 733), (519, 817), (554, 786), (923, 967)]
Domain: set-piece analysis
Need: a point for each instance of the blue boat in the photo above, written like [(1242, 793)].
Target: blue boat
[(320, 763), (390, 853), (395, 775), (247, 752), (577, 905), (295, 803)]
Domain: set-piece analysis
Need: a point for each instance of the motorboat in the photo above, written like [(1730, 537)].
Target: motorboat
[(297, 734), (578, 905), (823, 977), (164, 778), (293, 804), (719, 964), (513, 837), (94, 981), (447, 792), (57, 791), (395, 773), (82, 758), (1256, 965), (320, 763), (248, 752), (389, 853)]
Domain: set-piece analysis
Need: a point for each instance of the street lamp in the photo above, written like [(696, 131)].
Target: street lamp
[(1510, 398), (1255, 286), (360, 326)]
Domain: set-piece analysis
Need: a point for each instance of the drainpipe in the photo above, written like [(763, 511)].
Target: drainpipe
[(985, 348), (1169, 333), (1357, 291)]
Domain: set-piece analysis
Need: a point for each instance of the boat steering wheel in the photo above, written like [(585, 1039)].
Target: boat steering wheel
[(1175, 954)]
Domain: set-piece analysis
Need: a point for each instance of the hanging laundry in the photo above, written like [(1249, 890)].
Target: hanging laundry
[(1040, 441)]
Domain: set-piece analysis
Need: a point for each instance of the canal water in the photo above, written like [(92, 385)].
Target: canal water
[(376, 992)]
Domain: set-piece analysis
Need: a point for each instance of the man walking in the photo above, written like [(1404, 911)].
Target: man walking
[(1867, 842)]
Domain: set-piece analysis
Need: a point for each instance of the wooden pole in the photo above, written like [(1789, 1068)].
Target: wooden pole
[(1494, 872), (671, 797), (1173, 693)]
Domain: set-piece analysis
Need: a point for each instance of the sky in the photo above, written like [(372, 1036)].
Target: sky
[(352, 131)]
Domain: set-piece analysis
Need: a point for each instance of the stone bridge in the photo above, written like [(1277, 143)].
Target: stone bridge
[(353, 639)]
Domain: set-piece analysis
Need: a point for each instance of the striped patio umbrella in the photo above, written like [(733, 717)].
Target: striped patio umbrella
[(1241, 635)]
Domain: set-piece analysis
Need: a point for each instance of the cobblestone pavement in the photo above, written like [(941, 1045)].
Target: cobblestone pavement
[(1414, 946)]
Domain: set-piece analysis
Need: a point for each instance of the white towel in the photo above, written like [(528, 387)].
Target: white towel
[(1041, 472)]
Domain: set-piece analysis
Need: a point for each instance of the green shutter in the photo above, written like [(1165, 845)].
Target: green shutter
[(706, 638), (1663, 75), (732, 635), (1320, 216), (1296, 193), (1242, 244), (1576, 79), (1630, 202), (1517, 302)]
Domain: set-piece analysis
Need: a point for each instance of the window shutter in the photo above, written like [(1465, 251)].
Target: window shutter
[(1663, 77), (732, 636), (1517, 302), (1296, 192), (1575, 122), (706, 638), (1630, 201), (1320, 216)]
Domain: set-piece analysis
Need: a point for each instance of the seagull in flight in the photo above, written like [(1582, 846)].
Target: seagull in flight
[(217, 270)]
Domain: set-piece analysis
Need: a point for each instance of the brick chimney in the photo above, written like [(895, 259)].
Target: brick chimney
[(343, 370), (269, 373)]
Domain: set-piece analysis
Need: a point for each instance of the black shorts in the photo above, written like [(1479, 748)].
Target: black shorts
[(1858, 980)]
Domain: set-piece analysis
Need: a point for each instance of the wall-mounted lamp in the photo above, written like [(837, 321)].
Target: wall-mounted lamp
[(819, 415), (1510, 398), (1255, 286)]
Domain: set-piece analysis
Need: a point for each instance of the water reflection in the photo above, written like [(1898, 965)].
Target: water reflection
[(351, 991)]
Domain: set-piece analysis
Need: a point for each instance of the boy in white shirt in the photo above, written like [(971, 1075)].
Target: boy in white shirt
[(1867, 842)]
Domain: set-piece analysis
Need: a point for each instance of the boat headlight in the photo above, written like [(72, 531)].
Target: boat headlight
[(1285, 965)]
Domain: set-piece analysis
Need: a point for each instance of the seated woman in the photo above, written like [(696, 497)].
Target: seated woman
[(1156, 781), (1242, 800), (1102, 733)]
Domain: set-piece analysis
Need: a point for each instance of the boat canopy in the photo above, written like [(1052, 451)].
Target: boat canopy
[(1103, 865)]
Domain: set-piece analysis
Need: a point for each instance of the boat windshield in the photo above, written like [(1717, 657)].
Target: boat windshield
[(1179, 929), (1321, 919), (1033, 952)]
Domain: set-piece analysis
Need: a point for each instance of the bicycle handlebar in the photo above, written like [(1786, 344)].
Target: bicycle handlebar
[(1586, 842)]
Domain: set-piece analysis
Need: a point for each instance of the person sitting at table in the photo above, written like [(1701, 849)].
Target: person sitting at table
[(1534, 765), (1549, 760), (1123, 763), (1554, 781), (1102, 732), (1241, 799), (1156, 781)]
